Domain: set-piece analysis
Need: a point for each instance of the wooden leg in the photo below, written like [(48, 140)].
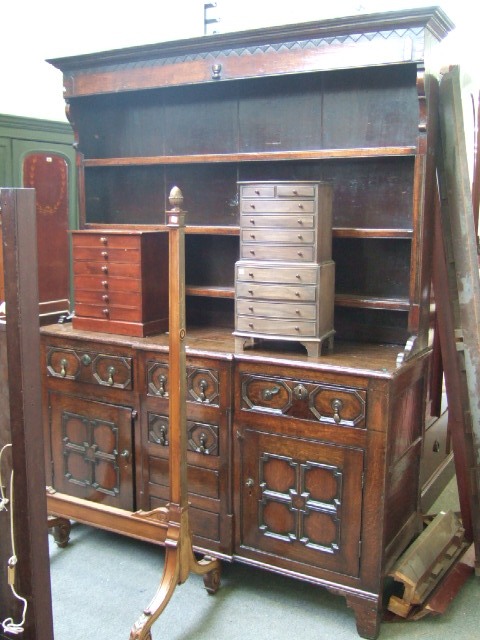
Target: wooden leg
[(60, 529), (211, 580), (368, 615)]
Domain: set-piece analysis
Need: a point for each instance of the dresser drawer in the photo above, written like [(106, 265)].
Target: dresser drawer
[(282, 253), (276, 327), (104, 255), (92, 367), (110, 298), (202, 437), (254, 291), (295, 191), (107, 268), (127, 314), (273, 221), (330, 404), (100, 240), (258, 191), (104, 283), (203, 384), (276, 310), (285, 236), (278, 206), (276, 274)]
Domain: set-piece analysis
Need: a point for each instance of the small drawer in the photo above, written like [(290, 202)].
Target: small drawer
[(335, 405), (256, 291), (276, 327), (278, 206), (201, 437), (108, 312), (292, 253), (278, 235), (277, 310), (90, 367), (258, 191), (203, 385), (272, 221), (296, 191), (106, 283), (104, 269), (110, 298), (248, 272), (201, 481), (107, 254), (102, 240)]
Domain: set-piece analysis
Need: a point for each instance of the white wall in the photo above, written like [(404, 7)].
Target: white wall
[(34, 30)]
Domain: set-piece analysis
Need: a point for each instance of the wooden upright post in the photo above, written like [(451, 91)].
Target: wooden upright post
[(21, 423), (179, 558)]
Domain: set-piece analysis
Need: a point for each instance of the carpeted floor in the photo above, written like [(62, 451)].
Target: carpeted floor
[(102, 581)]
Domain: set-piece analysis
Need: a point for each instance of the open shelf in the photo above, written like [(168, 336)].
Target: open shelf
[(316, 154)]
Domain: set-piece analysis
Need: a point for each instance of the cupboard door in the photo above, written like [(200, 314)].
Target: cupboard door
[(92, 449), (301, 500)]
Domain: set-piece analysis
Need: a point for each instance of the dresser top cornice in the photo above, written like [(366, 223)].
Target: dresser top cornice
[(347, 42)]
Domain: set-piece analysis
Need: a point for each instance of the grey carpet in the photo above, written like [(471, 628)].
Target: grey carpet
[(102, 581)]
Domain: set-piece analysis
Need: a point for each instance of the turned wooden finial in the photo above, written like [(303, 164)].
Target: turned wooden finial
[(176, 215)]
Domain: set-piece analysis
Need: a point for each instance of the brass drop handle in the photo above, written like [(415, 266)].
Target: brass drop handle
[(111, 373), (267, 394), (337, 406), (203, 444), (63, 369), (203, 387), (249, 483), (125, 454), (162, 381)]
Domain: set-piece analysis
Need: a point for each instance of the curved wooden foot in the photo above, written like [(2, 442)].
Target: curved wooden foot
[(211, 579), (60, 529), (368, 614), (180, 561)]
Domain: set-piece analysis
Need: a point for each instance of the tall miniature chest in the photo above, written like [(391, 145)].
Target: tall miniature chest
[(284, 280), (121, 281)]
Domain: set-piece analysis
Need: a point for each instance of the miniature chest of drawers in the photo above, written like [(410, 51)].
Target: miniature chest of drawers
[(121, 281), (284, 280)]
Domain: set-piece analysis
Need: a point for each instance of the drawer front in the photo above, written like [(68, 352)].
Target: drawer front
[(286, 222), (120, 254), (110, 298), (100, 269), (277, 252), (284, 236), (108, 312), (201, 437), (329, 404), (92, 367), (255, 291), (278, 206), (203, 384), (276, 327), (101, 240), (106, 283), (282, 275), (296, 191), (277, 310), (258, 191)]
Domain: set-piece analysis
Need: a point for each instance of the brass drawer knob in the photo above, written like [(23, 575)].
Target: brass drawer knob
[(105, 255), (249, 482), (104, 268), (104, 240)]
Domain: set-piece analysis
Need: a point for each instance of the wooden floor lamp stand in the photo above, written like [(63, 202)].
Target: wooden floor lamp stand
[(180, 560)]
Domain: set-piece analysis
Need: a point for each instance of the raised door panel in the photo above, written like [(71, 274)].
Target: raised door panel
[(301, 500), (92, 448)]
